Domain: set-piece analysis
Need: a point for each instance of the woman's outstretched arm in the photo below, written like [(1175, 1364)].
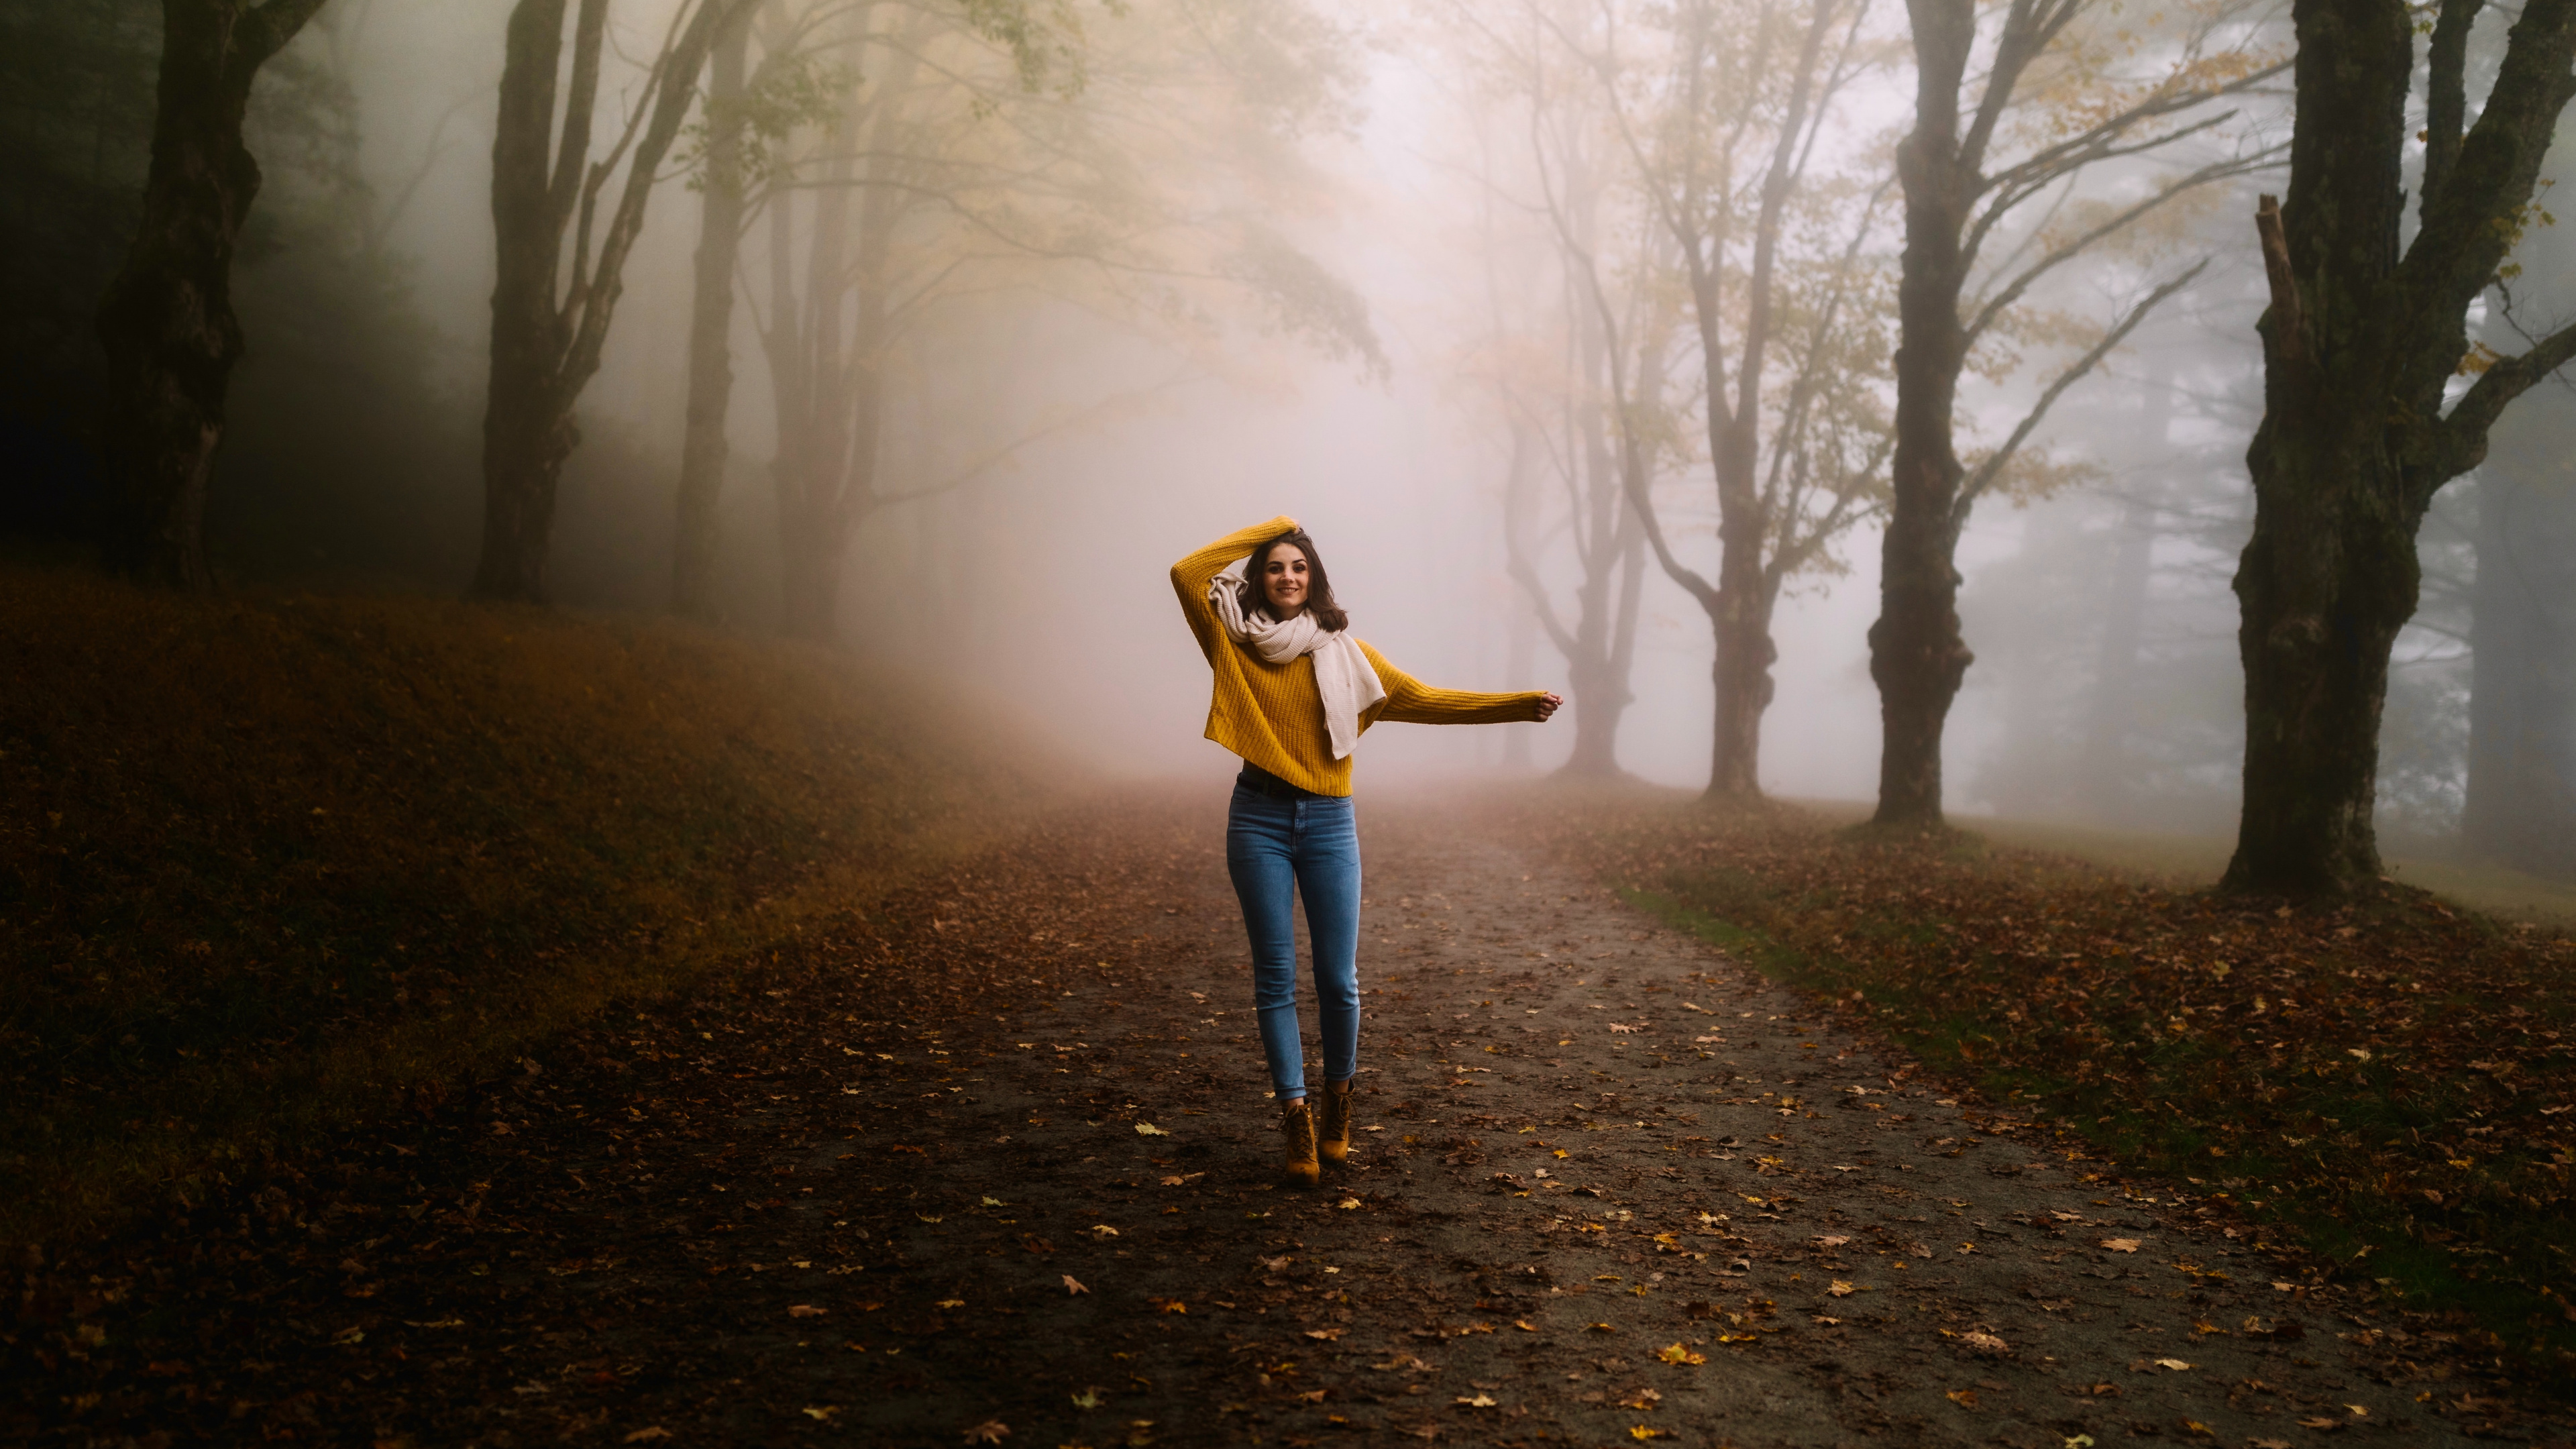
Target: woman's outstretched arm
[(1411, 701), (1192, 575)]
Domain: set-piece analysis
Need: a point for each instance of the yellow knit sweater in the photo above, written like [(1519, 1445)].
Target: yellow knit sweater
[(1272, 714)]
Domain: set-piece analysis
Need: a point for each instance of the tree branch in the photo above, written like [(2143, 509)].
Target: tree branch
[(2460, 439), (2446, 95), (1986, 472)]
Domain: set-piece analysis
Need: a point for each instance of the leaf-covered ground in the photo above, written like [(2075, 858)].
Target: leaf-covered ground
[(992, 1164), (2390, 1079)]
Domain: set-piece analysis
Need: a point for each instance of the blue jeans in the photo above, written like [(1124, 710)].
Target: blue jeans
[(1276, 847)]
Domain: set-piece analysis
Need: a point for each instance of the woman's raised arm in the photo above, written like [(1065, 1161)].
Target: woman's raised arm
[(1192, 575)]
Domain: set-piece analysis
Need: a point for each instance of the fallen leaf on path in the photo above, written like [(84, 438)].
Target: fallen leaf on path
[(1524, 1325), (1104, 1230), (822, 1414), (2327, 1424), (2175, 1364), (1071, 1286), (991, 1431), (1964, 1398), (952, 1302), (1642, 1399), (2358, 1411), (646, 1436), (2063, 1216), (1347, 1203), (2267, 1444), (1087, 1399), (1835, 1241), (805, 1310), (1481, 1401), (1985, 1342), (1325, 1334), (1148, 1129), (2121, 1245), (1169, 1305), (1841, 1289), (1600, 1328), (1315, 1397), (1680, 1353), (1642, 1432)]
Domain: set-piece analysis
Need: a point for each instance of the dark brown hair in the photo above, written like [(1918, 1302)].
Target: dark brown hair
[(1319, 589)]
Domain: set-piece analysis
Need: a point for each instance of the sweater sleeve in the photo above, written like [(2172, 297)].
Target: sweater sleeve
[(1411, 701), (1192, 575)]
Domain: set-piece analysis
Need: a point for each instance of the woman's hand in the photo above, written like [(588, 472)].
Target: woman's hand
[(1548, 704)]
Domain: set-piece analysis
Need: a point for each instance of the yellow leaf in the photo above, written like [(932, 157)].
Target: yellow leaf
[(1679, 1353), (823, 1413), (2121, 1245), (952, 1302), (1148, 1129), (1841, 1289), (1642, 1432), (1964, 1398), (1481, 1401), (2175, 1364), (1087, 1399), (1524, 1325)]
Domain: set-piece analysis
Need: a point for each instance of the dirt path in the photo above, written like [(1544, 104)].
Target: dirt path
[(1611, 1188)]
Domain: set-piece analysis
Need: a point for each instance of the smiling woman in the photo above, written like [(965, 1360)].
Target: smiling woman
[(1293, 693)]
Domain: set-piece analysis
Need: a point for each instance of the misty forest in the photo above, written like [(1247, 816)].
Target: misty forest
[(591, 710)]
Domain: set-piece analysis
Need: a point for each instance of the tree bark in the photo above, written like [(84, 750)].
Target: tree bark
[(166, 321), (552, 310), (2330, 575), (705, 445), (1917, 655)]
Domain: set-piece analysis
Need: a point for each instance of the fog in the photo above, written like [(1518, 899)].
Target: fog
[(1274, 260)]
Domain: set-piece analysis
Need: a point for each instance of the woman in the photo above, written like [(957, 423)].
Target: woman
[(1294, 691)]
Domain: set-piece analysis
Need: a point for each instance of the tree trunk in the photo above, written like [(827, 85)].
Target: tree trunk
[(705, 446), (167, 320), (527, 430), (2362, 343), (2315, 644), (552, 306), (1742, 674), (1917, 656)]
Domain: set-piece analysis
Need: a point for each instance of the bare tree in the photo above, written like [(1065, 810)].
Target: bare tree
[(1959, 198), (1728, 166), (552, 307), (2340, 489), (167, 320)]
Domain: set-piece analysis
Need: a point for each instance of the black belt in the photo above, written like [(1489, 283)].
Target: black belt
[(1262, 782)]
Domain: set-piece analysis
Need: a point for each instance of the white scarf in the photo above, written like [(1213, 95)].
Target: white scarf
[(1343, 675)]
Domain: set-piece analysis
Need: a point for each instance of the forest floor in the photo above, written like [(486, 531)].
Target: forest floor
[(1610, 1185)]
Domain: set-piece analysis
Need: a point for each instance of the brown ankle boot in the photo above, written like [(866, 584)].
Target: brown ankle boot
[(1333, 1135), (1300, 1168)]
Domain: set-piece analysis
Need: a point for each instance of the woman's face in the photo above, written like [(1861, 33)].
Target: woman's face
[(1283, 580)]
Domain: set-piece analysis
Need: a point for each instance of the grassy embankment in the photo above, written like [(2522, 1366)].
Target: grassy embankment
[(2391, 1082), (268, 864)]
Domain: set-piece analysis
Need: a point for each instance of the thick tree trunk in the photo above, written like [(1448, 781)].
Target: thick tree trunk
[(2361, 344), (2315, 644), (1742, 674), (1917, 656), (705, 446), (167, 320)]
